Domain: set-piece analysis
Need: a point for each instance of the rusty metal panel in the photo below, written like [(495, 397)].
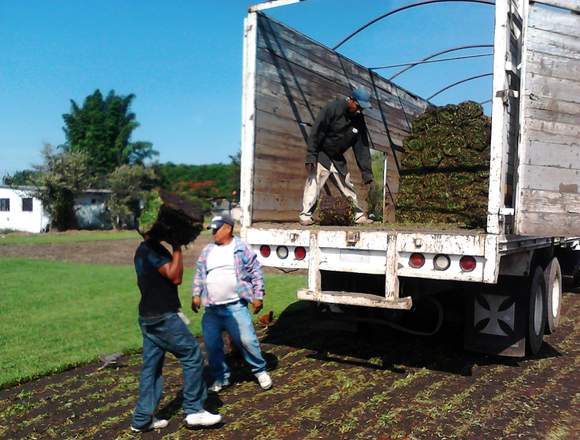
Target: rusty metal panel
[(295, 78), (548, 196)]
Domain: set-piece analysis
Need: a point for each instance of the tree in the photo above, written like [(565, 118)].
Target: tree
[(62, 176), (128, 184), (21, 178), (102, 128)]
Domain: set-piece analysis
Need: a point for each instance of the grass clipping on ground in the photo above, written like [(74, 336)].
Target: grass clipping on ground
[(445, 169)]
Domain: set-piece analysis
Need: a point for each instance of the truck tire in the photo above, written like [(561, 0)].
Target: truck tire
[(553, 276), (536, 312)]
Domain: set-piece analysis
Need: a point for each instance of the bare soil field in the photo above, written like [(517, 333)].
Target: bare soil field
[(332, 380), (97, 252)]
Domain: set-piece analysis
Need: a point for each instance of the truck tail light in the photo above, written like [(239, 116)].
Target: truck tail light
[(467, 263), (265, 251), (441, 262), (300, 253), (416, 261), (282, 252)]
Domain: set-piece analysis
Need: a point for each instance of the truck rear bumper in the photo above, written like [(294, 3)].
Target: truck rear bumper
[(355, 299)]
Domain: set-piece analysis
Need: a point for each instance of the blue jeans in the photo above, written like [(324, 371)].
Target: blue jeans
[(168, 333), (236, 320)]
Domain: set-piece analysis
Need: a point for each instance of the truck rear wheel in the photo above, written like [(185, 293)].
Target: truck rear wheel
[(536, 311), (553, 277)]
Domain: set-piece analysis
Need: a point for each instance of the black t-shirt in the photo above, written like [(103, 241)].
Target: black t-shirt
[(158, 294)]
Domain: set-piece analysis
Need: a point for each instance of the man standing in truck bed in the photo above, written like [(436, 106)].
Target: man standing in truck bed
[(339, 126)]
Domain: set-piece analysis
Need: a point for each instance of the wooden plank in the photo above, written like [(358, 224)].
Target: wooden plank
[(572, 5), (554, 155), (548, 224), (553, 43), (553, 66), (311, 48), (550, 202), (558, 89), (553, 20), (549, 178), (313, 82)]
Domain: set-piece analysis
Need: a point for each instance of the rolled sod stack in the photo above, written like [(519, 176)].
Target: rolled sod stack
[(171, 218), (445, 167)]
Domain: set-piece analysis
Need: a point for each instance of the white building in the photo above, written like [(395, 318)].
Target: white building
[(19, 211)]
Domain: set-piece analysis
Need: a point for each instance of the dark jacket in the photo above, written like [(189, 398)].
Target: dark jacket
[(335, 130)]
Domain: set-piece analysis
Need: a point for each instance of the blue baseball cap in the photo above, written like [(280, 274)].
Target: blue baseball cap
[(362, 96), (219, 220)]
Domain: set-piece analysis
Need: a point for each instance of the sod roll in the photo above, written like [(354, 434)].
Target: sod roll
[(170, 218), (445, 168)]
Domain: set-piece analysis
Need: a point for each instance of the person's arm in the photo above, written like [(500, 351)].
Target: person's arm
[(363, 156), (254, 268), (198, 283), (173, 270), (317, 134)]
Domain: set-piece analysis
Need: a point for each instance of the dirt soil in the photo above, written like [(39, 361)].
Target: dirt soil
[(332, 380), (94, 252)]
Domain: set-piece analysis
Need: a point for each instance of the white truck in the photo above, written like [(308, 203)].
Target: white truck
[(510, 274)]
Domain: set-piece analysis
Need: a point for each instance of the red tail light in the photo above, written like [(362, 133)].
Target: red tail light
[(265, 251), (416, 261), (467, 263), (300, 253)]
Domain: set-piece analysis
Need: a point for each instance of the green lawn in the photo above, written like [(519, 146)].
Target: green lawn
[(64, 237), (56, 314)]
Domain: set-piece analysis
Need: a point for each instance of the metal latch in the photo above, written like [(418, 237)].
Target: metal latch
[(352, 237)]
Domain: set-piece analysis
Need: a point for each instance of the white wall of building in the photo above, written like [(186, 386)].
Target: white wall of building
[(18, 220)]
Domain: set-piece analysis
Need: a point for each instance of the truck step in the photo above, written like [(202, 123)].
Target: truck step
[(355, 299)]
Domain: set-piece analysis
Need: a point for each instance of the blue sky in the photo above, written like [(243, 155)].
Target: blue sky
[(183, 61)]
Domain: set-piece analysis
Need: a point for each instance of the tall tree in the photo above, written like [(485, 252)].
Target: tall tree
[(102, 128), (129, 185), (61, 177)]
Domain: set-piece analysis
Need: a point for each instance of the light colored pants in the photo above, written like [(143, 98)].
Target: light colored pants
[(315, 183)]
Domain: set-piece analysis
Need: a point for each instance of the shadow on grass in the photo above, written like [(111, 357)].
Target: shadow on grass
[(381, 347)]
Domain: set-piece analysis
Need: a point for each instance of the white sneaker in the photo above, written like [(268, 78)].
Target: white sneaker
[(155, 424), (363, 220), (264, 380), (202, 418), (217, 386), (306, 221)]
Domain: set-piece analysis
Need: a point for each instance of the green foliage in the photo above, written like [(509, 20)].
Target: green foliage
[(102, 128), (62, 176), (375, 195), (200, 182), (90, 310), (21, 178), (150, 211), (128, 184)]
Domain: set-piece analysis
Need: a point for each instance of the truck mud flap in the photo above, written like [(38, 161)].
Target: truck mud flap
[(496, 323)]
